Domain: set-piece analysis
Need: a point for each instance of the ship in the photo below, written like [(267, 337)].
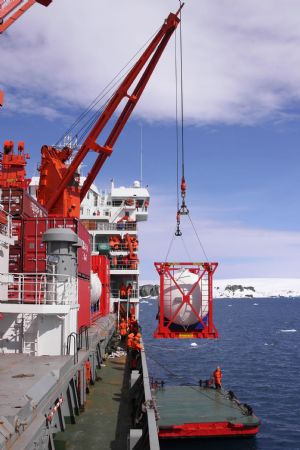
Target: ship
[(69, 274)]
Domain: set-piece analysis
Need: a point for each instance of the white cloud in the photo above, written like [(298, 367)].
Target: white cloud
[(242, 251), (241, 58)]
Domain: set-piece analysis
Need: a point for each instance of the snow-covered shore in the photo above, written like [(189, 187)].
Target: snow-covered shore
[(257, 287), (253, 287)]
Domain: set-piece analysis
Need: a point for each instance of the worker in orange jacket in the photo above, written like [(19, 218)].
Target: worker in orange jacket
[(123, 291), (129, 341), (123, 329), (217, 377)]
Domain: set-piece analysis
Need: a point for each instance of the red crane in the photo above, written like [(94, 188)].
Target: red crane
[(11, 10), (59, 191)]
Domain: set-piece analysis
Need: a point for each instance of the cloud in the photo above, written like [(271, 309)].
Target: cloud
[(241, 59), (242, 251)]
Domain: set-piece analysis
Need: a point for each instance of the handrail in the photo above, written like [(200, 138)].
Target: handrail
[(75, 341), (84, 329), (38, 288)]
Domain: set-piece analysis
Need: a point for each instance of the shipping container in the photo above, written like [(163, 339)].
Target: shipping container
[(19, 203), (15, 259), (101, 266), (34, 252), (84, 300), (17, 231)]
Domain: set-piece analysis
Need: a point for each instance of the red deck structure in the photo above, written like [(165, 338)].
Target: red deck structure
[(203, 326)]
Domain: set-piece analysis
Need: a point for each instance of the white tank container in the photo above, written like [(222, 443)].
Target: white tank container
[(96, 288), (173, 298)]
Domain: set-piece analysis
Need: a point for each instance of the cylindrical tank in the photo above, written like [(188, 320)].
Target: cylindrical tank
[(173, 298), (96, 288)]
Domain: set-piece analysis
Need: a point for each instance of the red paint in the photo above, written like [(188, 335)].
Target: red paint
[(208, 429), (15, 259), (34, 253), (19, 203), (17, 231), (84, 300), (101, 266)]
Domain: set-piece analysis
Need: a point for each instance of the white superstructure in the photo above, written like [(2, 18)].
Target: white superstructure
[(111, 218)]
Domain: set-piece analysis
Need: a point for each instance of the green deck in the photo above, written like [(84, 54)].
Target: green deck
[(190, 404), (106, 421)]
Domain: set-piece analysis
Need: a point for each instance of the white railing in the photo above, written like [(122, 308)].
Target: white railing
[(5, 229), (94, 225), (115, 293), (121, 248), (129, 266), (39, 289)]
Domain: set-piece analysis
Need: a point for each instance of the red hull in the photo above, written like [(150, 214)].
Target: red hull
[(207, 430)]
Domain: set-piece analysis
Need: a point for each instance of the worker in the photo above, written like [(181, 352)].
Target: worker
[(123, 329), (217, 377), (129, 290), (129, 342), (88, 374), (111, 242), (122, 291), (134, 326)]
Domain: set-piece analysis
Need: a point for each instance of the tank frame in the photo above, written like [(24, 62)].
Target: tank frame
[(204, 271)]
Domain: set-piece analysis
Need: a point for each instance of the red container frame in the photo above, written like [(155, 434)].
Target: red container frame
[(169, 269)]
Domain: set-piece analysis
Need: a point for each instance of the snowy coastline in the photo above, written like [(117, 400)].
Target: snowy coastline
[(253, 287)]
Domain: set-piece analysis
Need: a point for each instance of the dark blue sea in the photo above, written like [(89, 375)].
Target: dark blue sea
[(258, 352)]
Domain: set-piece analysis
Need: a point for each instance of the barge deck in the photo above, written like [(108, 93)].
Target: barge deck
[(195, 412)]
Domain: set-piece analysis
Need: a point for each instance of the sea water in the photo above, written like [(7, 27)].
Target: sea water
[(259, 355)]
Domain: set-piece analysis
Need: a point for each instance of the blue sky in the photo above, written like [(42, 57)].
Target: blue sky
[(241, 124)]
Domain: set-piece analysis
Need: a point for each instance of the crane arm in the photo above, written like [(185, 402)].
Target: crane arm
[(153, 51), (12, 10)]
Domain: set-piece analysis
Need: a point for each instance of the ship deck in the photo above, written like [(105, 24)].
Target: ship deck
[(106, 421), (191, 411), (26, 380)]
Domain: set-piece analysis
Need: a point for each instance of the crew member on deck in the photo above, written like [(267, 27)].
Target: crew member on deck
[(218, 377)]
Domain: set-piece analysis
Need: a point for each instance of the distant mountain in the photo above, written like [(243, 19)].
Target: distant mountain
[(257, 288), (243, 288)]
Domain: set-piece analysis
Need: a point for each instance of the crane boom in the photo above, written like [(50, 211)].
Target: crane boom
[(12, 10), (54, 197)]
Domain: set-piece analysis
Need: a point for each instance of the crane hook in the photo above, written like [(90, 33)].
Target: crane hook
[(178, 231), (183, 209)]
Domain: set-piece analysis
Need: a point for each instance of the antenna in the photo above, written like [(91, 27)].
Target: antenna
[(141, 156)]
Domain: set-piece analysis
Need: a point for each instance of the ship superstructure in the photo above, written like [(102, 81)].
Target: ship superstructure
[(112, 220)]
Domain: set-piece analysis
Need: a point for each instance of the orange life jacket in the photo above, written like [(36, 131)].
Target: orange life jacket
[(88, 371), (217, 376)]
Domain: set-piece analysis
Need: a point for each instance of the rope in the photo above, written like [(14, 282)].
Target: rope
[(186, 249), (170, 246), (200, 243), (176, 124), (105, 90), (181, 88)]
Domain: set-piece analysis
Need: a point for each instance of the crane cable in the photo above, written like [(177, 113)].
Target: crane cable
[(105, 91), (181, 210)]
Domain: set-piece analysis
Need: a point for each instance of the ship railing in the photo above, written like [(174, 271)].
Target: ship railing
[(121, 248), (129, 266), (115, 293), (94, 225), (38, 288), (5, 223)]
